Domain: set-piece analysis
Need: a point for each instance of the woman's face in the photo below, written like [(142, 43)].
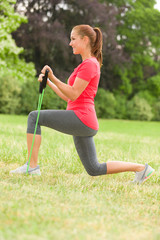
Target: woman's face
[(77, 42)]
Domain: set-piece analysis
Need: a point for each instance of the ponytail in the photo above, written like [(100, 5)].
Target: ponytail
[(97, 47)]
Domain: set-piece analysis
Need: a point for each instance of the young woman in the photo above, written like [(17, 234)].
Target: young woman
[(79, 119)]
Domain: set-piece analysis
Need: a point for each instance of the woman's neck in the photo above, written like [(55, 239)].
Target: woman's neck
[(86, 55)]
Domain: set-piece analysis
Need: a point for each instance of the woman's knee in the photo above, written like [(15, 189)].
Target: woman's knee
[(93, 171), (97, 170), (32, 116)]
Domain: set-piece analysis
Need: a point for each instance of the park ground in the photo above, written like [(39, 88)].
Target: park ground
[(65, 203)]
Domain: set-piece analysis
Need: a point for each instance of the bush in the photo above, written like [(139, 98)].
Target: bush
[(9, 95), (29, 98), (139, 109), (156, 110), (147, 96), (16, 98), (52, 101), (154, 85), (120, 108), (105, 104)]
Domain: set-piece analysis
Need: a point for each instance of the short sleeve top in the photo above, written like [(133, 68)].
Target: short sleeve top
[(83, 106)]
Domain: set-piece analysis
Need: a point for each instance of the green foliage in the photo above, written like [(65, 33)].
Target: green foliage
[(140, 26), (52, 101), (10, 63), (156, 110), (146, 94), (138, 41), (139, 109), (9, 22), (14, 72), (29, 97), (105, 104), (125, 86), (139, 35), (17, 98), (120, 108), (9, 95), (154, 85)]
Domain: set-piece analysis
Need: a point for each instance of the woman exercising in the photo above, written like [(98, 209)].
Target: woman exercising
[(79, 119)]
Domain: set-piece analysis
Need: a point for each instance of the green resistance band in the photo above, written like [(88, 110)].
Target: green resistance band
[(41, 91)]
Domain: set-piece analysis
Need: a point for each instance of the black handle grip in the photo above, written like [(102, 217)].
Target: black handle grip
[(44, 82)]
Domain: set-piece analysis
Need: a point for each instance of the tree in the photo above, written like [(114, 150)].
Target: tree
[(13, 70), (139, 34), (47, 34), (9, 52), (130, 35)]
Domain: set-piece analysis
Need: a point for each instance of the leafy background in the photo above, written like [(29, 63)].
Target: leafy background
[(34, 33)]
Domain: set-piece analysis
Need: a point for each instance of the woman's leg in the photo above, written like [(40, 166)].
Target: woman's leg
[(117, 167), (61, 120), (87, 152), (36, 146), (67, 122)]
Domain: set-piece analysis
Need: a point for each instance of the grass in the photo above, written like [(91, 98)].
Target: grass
[(65, 203)]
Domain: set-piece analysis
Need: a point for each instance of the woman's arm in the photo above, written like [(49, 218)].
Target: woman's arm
[(70, 92), (56, 90)]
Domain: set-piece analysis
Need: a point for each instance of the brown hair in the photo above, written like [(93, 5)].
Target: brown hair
[(95, 37)]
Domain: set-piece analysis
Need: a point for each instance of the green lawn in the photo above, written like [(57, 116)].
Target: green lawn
[(65, 203)]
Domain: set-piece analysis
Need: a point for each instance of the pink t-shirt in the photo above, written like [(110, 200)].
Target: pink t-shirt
[(83, 106)]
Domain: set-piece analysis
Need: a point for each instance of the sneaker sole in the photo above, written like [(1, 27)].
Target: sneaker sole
[(36, 172), (150, 175)]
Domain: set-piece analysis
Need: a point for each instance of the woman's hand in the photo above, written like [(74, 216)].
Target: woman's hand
[(40, 78), (50, 74)]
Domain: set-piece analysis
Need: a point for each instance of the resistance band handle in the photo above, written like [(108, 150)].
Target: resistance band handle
[(44, 82)]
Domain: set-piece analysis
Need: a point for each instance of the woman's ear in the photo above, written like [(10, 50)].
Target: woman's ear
[(86, 40)]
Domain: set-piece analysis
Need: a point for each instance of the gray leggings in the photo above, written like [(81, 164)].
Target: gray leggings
[(66, 121)]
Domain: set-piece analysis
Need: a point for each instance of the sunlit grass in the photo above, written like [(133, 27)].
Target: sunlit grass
[(65, 202)]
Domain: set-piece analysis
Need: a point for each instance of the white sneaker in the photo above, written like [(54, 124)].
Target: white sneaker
[(141, 177), (23, 170)]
